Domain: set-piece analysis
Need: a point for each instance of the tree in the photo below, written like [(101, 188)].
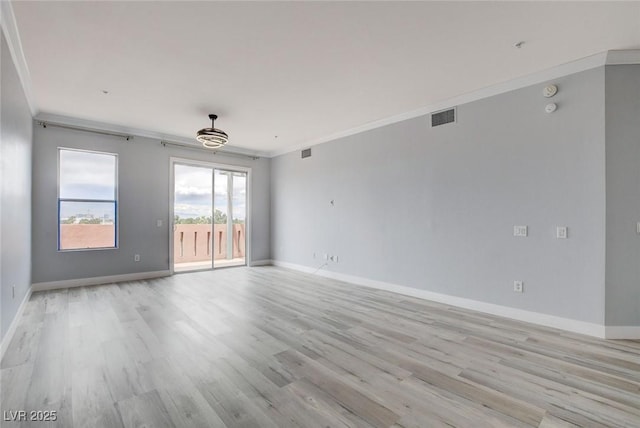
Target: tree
[(219, 217), (91, 221), (70, 220)]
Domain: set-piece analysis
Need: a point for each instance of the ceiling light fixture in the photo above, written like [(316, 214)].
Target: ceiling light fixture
[(212, 138)]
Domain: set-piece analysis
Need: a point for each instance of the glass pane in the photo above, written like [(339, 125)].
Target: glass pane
[(239, 205), (239, 209), (230, 216), (220, 215), (86, 175), (87, 225), (192, 237)]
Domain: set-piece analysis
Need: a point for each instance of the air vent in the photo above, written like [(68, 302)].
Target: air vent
[(306, 153), (443, 117)]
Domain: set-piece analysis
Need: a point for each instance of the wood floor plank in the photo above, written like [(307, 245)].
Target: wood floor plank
[(93, 405), (23, 347), (144, 410), (270, 347), (354, 400), (14, 385)]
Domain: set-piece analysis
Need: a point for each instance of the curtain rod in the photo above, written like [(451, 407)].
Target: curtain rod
[(213, 152), (45, 124)]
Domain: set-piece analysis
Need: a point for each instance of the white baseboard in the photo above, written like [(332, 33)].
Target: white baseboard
[(622, 332), (80, 282), (6, 340), (266, 262), (575, 326)]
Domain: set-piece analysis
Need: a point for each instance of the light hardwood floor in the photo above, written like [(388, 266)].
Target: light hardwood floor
[(268, 347)]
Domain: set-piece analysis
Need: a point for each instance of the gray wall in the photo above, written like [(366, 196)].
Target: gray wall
[(434, 209), (15, 197), (143, 198), (623, 194)]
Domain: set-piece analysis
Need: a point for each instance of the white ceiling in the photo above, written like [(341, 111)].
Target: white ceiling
[(298, 70)]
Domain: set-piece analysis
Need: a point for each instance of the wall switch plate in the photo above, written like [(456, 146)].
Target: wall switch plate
[(638, 228), (158, 223), (562, 232), (521, 231), (325, 256), (518, 286), (136, 258)]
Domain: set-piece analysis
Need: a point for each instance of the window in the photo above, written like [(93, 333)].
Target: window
[(87, 200)]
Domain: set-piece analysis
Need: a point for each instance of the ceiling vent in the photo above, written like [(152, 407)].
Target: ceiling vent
[(443, 117), (306, 153)]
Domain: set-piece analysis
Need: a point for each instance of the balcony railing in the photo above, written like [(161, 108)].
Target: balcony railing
[(197, 242), (191, 242)]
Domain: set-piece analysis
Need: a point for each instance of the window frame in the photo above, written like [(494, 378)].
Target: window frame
[(116, 240)]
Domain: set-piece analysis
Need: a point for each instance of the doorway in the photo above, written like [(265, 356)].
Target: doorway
[(209, 213)]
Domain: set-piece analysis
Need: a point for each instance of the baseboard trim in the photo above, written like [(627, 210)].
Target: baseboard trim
[(567, 324), (266, 262), (6, 340), (631, 332), (81, 282)]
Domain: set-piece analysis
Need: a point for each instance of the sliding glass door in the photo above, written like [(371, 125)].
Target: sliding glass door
[(230, 212), (192, 218), (209, 217)]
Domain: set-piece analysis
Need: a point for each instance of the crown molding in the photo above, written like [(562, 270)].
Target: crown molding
[(623, 57), (556, 72), (135, 132), (10, 30), (613, 57)]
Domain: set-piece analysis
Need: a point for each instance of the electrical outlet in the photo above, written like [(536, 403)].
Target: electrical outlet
[(521, 231), (562, 232), (518, 286), (136, 258)]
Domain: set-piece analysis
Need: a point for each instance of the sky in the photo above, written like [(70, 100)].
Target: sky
[(90, 175), (87, 175), (193, 187)]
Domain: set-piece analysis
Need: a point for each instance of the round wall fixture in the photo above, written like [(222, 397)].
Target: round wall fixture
[(549, 91), (212, 138), (550, 108)]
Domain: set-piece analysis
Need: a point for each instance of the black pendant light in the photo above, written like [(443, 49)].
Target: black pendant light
[(212, 138)]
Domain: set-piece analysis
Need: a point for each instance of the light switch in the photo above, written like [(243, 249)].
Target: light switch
[(158, 223), (520, 231), (562, 232)]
